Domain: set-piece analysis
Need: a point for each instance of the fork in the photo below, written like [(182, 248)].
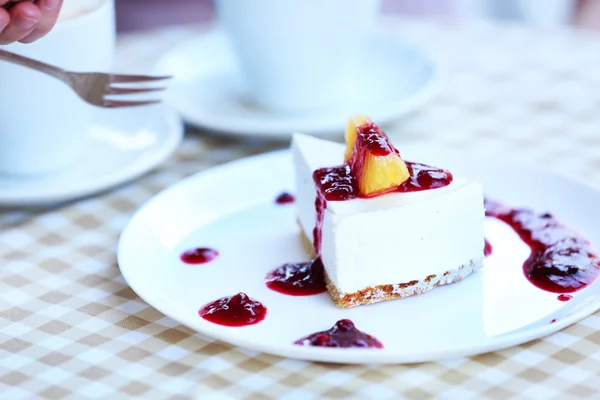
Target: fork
[(94, 87)]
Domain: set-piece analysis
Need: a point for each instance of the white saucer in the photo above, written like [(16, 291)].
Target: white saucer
[(490, 310), (125, 143), (209, 93)]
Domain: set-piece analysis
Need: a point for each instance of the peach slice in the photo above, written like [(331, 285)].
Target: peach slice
[(375, 163)]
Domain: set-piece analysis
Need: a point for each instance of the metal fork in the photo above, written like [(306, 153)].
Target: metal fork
[(93, 87)]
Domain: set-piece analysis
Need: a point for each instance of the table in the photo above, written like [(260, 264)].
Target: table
[(71, 328)]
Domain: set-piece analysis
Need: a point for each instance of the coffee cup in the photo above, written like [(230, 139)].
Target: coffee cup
[(42, 121), (297, 55)]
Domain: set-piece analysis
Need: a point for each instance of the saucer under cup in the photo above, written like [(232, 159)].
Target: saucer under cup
[(209, 91)]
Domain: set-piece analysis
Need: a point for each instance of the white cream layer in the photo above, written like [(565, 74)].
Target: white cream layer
[(394, 238)]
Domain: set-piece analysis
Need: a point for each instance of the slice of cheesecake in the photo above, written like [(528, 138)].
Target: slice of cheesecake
[(384, 228)]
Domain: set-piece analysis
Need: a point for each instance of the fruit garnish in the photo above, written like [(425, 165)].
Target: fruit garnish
[(354, 125), (375, 163)]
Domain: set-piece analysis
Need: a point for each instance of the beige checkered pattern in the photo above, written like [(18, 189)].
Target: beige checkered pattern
[(71, 328)]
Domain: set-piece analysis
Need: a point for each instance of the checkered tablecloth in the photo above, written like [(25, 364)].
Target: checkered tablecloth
[(71, 328)]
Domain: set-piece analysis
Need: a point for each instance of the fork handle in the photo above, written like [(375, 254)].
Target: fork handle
[(35, 64)]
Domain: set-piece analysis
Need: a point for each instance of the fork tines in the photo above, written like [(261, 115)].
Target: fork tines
[(115, 89)]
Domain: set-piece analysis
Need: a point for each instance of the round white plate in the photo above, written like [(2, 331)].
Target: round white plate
[(124, 144), (208, 92), (231, 209)]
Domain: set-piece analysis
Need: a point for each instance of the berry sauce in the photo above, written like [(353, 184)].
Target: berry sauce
[(564, 297), (561, 260), (237, 310), (285, 198), (342, 334), (200, 255), (373, 141), (302, 279), (338, 184), (487, 249)]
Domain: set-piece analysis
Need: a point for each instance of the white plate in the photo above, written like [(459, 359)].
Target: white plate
[(208, 92), (231, 209), (124, 144)]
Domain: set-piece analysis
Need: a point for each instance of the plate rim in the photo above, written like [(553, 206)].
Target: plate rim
[(347, 356)]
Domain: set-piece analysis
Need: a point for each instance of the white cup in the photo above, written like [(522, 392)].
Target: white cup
[(297, 54), (42, 121)]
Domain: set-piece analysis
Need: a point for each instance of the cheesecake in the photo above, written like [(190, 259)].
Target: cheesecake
[(384, 228)]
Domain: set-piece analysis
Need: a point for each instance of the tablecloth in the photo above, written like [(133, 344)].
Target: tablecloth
[(71, 328)]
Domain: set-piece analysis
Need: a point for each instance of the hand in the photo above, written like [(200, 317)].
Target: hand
[(587, 14), (27, 21)]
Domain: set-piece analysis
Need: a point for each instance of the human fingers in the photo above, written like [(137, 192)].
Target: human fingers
[(23, 18), (4, 19), (9, 2), (49, 10)]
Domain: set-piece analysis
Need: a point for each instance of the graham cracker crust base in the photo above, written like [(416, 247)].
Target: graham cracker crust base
[(376, 294)]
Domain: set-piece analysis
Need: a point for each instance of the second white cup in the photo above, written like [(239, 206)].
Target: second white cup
[(298, 54)]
